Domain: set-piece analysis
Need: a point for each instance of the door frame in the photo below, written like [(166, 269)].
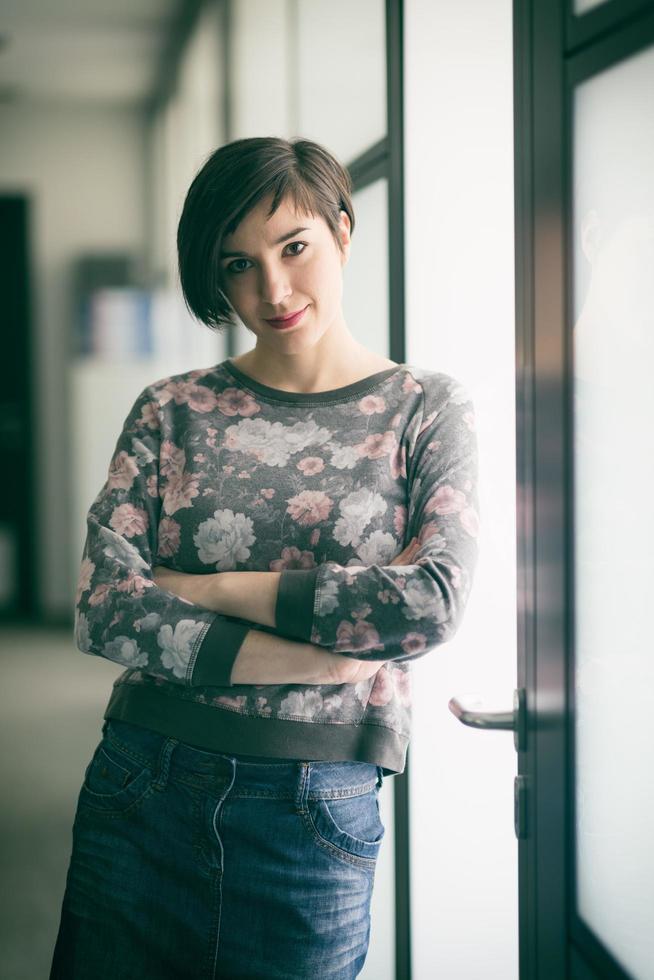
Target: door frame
[(554, 50)]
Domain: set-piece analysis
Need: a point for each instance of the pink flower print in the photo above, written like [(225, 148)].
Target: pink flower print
[(357, 636), (446, 500), (199, 458), (395, 420), (377, 445), (387, 595), (371, 404), (84, 581), (199, 372), (228, 470), (99, 594), (199, 398), (152, 485), (309, 507), (85, 575), (410, 384), (315, 537), (129, 520), (414, 643), (427, 422), (292, 557), (135, 584), (230, 440), (180, 491), (399, 519), (169, 537), (268, 493), (402, 682), (427, 531), (383, 689), (149, 416), (469, 419), (122, 471), (456, 576), (470, 520), (310, 465), (172, 389), (434, 444), (237, 702), (398, 462), (234, 401), (172, 459), (244, 475), (361, 612)]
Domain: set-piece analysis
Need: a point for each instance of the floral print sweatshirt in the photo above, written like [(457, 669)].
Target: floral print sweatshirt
[(214, 471)]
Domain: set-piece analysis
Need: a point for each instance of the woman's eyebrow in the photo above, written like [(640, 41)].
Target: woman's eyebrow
[(290, 234)]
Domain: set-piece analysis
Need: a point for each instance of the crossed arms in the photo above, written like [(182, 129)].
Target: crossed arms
[(264, 658)]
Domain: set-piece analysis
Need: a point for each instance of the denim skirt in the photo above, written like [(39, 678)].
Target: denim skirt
[(192, 863)]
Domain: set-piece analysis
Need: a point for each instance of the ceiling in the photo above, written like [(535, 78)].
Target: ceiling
[(83, 51)]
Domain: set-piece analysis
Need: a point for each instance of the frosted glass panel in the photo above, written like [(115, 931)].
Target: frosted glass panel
[(613, 344), (365, 279), (341, 74)]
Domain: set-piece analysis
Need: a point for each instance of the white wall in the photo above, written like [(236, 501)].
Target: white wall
[(460, 319), (83, 170)]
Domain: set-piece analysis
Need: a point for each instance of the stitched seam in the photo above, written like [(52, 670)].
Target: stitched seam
[(328, 401)]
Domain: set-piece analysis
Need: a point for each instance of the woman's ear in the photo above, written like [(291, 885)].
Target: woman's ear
[(344, 235)]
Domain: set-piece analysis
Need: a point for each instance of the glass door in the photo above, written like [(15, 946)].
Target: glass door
[(612, 355), (585, 413)]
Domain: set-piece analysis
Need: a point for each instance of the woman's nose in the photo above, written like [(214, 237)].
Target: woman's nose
[(274, 286)]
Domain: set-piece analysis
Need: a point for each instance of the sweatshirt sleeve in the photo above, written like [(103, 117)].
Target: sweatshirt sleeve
[(120, 613), (400, 612)]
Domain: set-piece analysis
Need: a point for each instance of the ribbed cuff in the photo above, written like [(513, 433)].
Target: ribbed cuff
[(218, 651), (295, 598)]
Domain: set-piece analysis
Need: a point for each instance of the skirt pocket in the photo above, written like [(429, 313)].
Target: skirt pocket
[(351, 826), (114, 781)]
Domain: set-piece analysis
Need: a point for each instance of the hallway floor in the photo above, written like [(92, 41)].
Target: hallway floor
[(51, 706)]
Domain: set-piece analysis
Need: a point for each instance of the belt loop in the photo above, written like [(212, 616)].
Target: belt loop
[(304, 776), (163, 763)]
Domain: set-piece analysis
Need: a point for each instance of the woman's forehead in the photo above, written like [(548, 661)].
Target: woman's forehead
[(260, 223)]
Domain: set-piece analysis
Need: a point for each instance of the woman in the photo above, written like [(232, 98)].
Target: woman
[(278, 537)]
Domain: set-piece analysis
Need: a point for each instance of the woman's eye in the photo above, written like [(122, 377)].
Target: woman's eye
[(303, 244), (231, 268)]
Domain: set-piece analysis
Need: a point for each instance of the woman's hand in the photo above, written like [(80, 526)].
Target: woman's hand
[(353, 670)]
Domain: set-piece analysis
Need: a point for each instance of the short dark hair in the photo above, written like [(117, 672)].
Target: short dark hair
[(228, 185)]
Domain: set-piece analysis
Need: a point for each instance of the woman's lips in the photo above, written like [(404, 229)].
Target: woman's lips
[(290, 321)]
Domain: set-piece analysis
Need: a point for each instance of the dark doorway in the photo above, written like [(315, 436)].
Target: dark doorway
[(17, 499)]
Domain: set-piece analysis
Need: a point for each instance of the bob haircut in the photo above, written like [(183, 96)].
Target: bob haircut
[(229, 184)]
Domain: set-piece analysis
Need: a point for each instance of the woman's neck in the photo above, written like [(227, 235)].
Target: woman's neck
[(313, 371)]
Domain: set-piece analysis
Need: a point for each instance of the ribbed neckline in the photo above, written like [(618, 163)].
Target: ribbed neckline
[(356, 389)]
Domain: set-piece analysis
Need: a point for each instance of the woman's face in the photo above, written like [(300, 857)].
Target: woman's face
[(270, 277)]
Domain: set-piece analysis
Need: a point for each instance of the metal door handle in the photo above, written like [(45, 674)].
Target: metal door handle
[(467, 711)]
